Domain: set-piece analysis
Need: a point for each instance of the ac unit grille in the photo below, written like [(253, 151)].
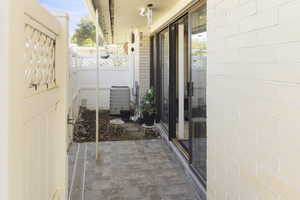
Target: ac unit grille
[(119, 99)]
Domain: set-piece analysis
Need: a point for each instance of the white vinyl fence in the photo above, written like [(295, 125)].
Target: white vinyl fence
[(73, 94), (83, 70)]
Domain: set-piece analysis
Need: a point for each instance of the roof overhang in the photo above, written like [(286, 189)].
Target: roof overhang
[(119, 18), (92, 15)]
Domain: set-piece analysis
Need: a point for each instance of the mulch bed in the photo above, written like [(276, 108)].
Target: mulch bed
[(85, 128)]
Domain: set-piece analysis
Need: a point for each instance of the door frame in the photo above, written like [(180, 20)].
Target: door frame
[(171, 130), (161, 71), (172, 80), (202, 180), (173, 75)]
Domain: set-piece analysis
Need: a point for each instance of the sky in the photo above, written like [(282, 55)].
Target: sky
[(75, 8)]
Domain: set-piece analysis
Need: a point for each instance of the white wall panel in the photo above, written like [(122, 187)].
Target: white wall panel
[(252, 97)]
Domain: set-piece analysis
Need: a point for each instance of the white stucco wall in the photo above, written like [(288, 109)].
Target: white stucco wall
[(253, 99)]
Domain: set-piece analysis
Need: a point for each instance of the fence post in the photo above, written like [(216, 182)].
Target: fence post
[(4, 77), (62, 56), (12, 47)]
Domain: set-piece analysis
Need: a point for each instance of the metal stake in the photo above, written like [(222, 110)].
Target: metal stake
[(97, 86)]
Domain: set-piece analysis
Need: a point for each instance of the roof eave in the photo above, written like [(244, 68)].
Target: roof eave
[(92, 15)]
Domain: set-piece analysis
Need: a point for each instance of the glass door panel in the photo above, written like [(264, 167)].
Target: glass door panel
[(182, 79), (164, 59), (198, 64)]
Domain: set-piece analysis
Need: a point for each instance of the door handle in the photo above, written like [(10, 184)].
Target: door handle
[(190, 86)]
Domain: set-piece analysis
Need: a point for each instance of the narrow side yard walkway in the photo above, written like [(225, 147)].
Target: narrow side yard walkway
[(127, 170)]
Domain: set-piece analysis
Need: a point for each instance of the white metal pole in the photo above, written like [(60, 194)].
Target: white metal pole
[(97, 87)]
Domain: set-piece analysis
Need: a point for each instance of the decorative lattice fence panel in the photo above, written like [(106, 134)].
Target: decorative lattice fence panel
[(39, 59)]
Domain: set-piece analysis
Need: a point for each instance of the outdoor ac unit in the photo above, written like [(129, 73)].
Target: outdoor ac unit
[(119, 99)]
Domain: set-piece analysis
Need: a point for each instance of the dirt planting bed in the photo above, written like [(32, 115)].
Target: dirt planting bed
[(85, 128)]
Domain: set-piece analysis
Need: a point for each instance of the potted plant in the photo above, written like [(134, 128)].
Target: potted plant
[(125, 115), (148, 107)]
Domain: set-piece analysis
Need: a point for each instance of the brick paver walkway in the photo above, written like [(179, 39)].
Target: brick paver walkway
[(127, 170)]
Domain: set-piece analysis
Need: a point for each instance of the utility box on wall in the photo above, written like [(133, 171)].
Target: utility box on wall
[(119, 99)]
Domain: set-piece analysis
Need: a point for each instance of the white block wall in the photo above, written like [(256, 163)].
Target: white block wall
[(144, 64), (139, 61), (253, 99)]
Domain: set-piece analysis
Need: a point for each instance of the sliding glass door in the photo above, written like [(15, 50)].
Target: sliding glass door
[(164, 63), (198, 63), (180, 30), (182, 61)]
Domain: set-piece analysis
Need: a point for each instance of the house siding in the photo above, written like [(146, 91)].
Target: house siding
[(253, 99)]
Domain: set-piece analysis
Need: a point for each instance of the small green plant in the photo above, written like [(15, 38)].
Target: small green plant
[(148, 103)]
